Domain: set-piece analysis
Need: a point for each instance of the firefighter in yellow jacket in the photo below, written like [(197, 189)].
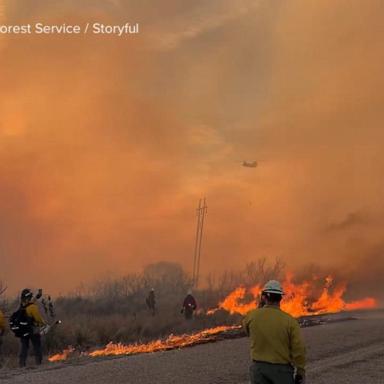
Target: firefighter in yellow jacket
[(32, 312), (277, 349)]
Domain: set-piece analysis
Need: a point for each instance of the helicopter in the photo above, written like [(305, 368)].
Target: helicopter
[(249, 164)]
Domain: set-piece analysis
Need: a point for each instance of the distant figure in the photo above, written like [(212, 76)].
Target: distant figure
[(2, 323), (151, 302), (2, 331), (26, 323), (276, 343), (189, 306)]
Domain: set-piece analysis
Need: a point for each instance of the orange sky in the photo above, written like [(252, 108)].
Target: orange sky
[(106, 143)]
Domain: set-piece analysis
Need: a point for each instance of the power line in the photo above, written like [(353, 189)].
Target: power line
[(201, 212)]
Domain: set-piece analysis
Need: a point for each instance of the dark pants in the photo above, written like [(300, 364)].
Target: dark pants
[(268, 373), (1, 350), (188, 313), (36, 343), (152, 309)]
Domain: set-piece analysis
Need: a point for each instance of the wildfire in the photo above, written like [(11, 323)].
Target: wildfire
[(300, 299), (171, 342), (366, 303), (232, 303), (62, 356)]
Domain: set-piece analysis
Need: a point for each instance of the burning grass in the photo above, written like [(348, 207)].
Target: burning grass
[(113, 314), (301, 299), (63, 355), (171, 342)]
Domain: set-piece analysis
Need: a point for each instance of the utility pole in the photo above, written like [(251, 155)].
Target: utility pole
[(201, 212)]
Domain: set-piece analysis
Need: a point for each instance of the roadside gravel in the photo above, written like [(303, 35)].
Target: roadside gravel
[(345, 352)]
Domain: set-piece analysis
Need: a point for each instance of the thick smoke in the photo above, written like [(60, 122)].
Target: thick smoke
[(106, 143)]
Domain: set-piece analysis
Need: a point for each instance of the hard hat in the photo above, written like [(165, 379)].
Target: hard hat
[(189, 292), (26, 294), (273, 286)]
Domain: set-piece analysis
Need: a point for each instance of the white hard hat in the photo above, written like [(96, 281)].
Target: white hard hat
[(273, 286)]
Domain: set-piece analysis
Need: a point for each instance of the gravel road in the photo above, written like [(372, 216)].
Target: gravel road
[(345, 352)]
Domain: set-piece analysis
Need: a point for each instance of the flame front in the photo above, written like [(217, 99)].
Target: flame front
[(61, 356), (300, 299), (233, 302), (366, 303), (171, 342)]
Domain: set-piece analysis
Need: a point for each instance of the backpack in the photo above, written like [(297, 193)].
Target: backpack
[(20, 323)]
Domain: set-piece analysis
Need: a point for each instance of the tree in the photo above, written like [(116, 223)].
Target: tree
[(166, 277)]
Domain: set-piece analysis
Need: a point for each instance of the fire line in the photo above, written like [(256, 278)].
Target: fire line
[(300, 300)]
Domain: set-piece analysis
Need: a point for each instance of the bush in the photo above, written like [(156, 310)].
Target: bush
[(115, 310)]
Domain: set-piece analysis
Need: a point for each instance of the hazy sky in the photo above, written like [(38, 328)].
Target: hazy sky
[(107, 143)]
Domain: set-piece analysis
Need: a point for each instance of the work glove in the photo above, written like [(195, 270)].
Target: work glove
[(299, 379)]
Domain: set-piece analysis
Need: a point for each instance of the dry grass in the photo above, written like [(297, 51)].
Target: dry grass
[(115, 310)]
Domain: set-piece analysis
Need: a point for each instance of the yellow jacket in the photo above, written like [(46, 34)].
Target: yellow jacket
[(32, 310), (275, 337), (2, 322)]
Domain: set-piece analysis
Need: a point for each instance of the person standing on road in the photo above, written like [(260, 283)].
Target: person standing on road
[(2, 323), (151, 302), (2, 331), (277, 349), (189, 306), (33, 315)]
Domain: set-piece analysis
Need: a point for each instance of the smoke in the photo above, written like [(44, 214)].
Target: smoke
[(106, 143)]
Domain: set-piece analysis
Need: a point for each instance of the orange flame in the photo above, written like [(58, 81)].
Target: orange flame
[(232, 303), (367, 303), (171, 342), (299, 299), (61, 356)]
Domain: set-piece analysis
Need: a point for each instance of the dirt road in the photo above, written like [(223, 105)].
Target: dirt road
[(345, 352)]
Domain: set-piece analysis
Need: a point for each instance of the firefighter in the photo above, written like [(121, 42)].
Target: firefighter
[(2, 331), (151, 302), (2, 323), (189, 306), (33, 314), (277, 349)]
